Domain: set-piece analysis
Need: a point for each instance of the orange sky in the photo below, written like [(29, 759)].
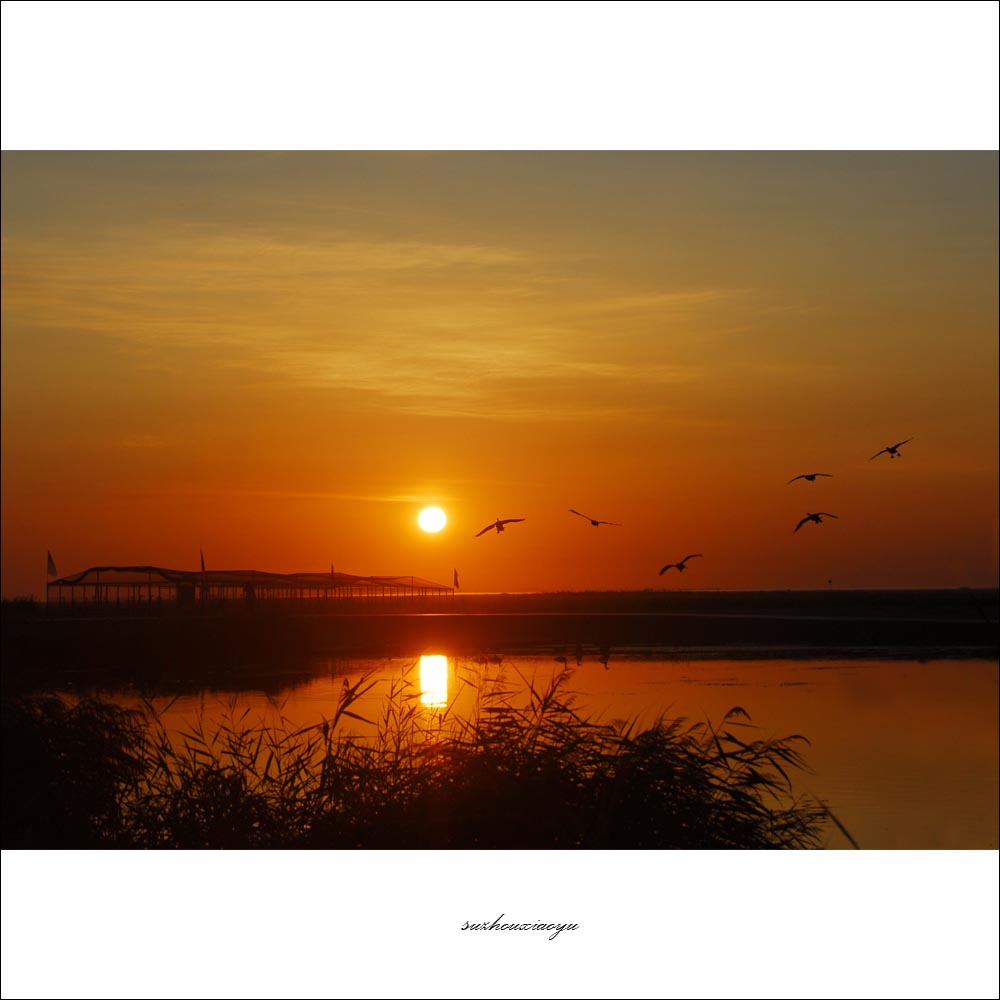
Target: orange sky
[(280, 358)]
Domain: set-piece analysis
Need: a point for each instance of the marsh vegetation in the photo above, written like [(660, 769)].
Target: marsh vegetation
[(523, 769)]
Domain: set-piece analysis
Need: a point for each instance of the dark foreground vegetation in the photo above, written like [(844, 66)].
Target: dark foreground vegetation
[(95, 775)]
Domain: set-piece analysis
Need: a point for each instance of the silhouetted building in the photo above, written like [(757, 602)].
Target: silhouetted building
[(145, 588)]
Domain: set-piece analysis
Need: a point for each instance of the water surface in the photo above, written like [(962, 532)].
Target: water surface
[(904, 752)]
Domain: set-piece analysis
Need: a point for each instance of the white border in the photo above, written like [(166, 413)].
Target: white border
[(389, 924), (623, 75)]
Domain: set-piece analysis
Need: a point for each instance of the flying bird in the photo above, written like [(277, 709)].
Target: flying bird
[(892, 450), (679, 566), (498, 524), (811, 476), (592, 520), (817, 517)]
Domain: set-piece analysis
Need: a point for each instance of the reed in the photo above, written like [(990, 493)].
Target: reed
[(523, 769)]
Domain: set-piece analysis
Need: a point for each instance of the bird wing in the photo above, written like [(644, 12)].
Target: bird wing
[(511, 520), (876, 455), (668, 566), (793, 480), (829, 475), (489, 527), (803, 521), (823, 513), (593, 520), (901, 443), (694, 555)]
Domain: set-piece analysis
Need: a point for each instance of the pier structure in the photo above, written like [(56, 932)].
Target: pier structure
[(143, 589)]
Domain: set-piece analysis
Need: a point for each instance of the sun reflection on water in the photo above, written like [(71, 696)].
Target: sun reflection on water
[(434, 681)]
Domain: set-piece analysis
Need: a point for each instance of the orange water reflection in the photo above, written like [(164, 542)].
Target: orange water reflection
[(905, 752), (434, 681)]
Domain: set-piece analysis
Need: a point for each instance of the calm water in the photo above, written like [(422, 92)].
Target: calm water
[(904, 752)]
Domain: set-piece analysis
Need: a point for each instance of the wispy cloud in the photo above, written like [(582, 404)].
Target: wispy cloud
[(195, 283), (407, 498), (460, 329), (660, 303)]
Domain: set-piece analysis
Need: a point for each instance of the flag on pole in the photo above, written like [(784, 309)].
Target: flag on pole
[(51, 567), (456, 579)]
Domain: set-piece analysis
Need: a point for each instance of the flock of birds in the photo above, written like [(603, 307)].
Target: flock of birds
[(892, 450)]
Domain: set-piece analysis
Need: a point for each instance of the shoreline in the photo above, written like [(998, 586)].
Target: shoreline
[(40, 651)]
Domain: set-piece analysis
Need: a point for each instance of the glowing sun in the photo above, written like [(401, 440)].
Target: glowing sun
[(432, 519)]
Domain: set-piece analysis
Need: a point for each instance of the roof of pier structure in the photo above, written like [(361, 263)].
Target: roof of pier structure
[(157, 575)]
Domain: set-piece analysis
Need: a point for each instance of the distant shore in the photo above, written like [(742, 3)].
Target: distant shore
[(960, 603), (744, 623)]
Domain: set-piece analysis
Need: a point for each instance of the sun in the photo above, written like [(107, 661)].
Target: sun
[(432, 519)]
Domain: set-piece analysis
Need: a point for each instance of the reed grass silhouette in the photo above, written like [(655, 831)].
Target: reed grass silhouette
[(523, 769)]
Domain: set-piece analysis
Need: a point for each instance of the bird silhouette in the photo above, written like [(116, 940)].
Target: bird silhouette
[(892, 450), (679, 566), (498, 524), (817, 517), (811, 476), (592, 520)]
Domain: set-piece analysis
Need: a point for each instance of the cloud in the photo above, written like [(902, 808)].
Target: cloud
[(444, 328), (360, 497), (199, 284)]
